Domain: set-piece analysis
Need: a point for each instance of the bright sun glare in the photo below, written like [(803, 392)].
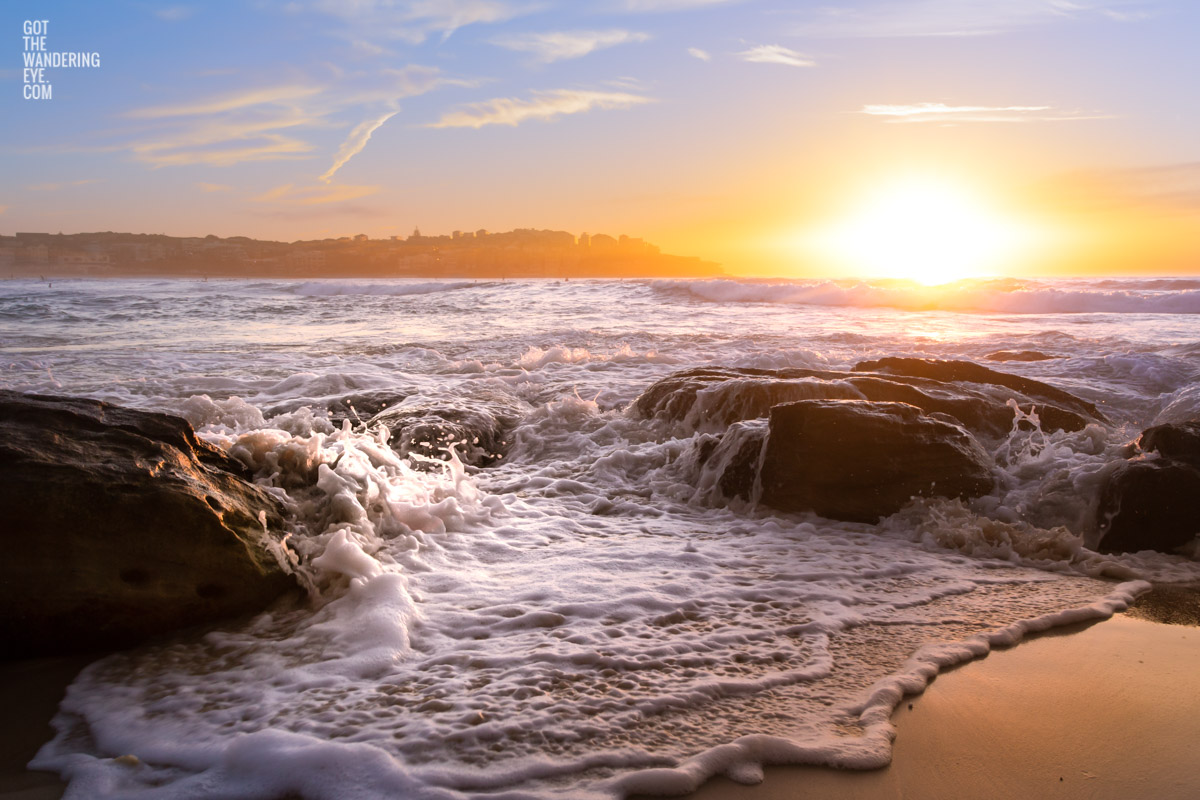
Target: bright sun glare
[(922, 230)]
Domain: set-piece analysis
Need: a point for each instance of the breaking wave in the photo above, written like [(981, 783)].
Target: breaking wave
[(1007, 296)]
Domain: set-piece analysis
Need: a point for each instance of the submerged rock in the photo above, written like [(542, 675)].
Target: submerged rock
[(1019, 355), (1151, 503), (120, 525), (479, 431), (861, 461), (359, 407)]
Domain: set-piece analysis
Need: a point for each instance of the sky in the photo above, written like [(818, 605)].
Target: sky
[(1050, 136)]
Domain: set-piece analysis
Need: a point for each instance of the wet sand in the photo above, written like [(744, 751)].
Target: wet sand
[(1106, 710), (1111, 710)]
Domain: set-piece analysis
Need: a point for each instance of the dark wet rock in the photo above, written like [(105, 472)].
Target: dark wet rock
[(713, 399), (729, 462), (710, 399), (1019, 355), (358, 408), (1178, 441), (978, 412), (479, 431), (121, 525), (860, 461), (1150, 502), (674, 396), (970, 372), (1149, 505)]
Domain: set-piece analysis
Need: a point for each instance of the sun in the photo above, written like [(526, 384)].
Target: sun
[(921, 229)]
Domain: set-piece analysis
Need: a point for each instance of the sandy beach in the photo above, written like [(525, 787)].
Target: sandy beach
[(1104, 710)]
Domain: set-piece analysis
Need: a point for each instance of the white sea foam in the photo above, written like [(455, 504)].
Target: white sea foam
[(331, 288), (586, 618)]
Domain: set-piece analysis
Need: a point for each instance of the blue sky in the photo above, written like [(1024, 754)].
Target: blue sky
[(713, 128)]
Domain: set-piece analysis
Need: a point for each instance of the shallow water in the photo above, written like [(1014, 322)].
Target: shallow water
[(578, 620)]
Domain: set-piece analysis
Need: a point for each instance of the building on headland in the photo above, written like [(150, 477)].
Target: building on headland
[(307, 260), (520, 253)]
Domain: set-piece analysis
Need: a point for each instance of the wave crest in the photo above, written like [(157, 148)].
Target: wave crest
[(1007, 295)]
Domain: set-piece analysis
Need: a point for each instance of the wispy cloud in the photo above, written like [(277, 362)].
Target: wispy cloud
[(266, 132), (291, 194), (940, 112), (626, 83), (776, 54), (265, 147), (272, 95), (174, 13), (544, 106), (354, 143), (560, 45), (54, 187), (670, 5), (884, 18), (414, 20), (696, 52), (272, 123), (213, 187)]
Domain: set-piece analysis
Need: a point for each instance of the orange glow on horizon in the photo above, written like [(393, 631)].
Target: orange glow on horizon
[(924, 229)]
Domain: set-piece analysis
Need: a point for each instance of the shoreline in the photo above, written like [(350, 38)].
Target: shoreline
[(1101, 709), (1096, 709)]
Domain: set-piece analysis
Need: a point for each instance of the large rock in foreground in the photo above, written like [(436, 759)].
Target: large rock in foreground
[(861, 461), (1151, 503), (710, 399), (119, 525)]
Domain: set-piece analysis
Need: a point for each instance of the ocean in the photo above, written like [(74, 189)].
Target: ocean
[(579, 619)]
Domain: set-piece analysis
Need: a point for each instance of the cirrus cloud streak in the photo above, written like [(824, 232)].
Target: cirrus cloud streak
[(561, 45), (776, 54), (544, 106), (940, 112)]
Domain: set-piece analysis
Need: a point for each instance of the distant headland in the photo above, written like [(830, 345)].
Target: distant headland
[(521, 253)]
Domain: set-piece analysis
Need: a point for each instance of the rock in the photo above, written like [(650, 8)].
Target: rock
[(1019, 355), (121, 525), (970, 372), (729, 463), (1149, 505), (479, 430), (710, 399), (1178, 441), (359, 408), (674, 396), (860, 461)]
